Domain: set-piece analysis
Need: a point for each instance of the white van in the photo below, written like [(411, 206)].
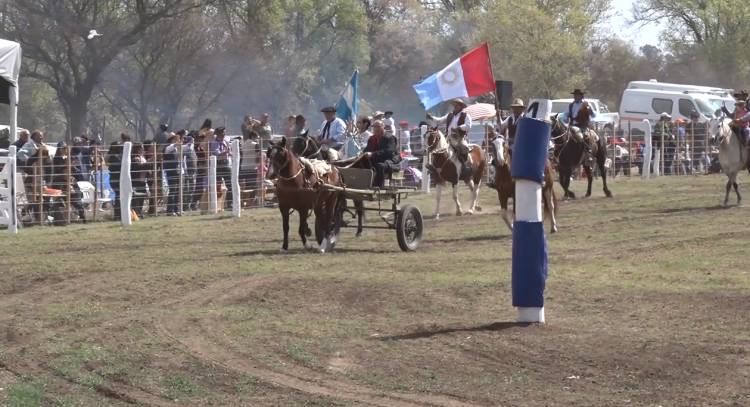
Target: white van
[(639, 104), (653, 84)]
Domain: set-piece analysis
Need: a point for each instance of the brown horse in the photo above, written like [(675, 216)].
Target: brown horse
[(570, 153), (296, 190), (447, 169), (506, 188)]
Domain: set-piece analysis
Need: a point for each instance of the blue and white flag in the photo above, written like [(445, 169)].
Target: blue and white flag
[(348, 104)]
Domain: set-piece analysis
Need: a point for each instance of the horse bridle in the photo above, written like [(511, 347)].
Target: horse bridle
[(307, 144), (286, 163), (435, 141)]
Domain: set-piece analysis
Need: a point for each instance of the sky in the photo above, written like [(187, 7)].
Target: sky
[(638, 35)]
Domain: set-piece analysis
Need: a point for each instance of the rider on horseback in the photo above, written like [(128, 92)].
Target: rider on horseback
[(511, 122), (458, 124), (741, 121), (579, 113)]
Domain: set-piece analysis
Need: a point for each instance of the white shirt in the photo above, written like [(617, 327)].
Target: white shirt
[(335, 132), (390, 125), (405, 140), (454, 123)]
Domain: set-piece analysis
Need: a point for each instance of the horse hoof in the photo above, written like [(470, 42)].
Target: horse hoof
[(478, 208), (283, 251), (554, 229), (608, 194), (469, 213), (437, 216), (459, 213), (358, 235)]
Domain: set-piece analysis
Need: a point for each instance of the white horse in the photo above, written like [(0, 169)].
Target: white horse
[(732, 155), (447, 169)]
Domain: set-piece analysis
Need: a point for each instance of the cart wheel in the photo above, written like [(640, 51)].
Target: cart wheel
[(409, 227)]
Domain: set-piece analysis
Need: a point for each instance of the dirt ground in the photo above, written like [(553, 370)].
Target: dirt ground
[(647, 304)]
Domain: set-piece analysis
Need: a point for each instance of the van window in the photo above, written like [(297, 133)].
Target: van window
[(686, 106), (662, 105), (559, 107)]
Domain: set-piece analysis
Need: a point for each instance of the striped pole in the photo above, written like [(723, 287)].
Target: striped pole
[(529, 241)]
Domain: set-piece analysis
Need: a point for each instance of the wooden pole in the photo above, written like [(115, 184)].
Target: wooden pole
[(630, 150), (40, 183), (692, 144), (661, 152)]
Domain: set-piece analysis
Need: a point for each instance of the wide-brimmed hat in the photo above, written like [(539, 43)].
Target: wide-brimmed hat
[(458, 101), (390, 112), (577, 91), (328, 109), (378, 113), (518, 102), (740, 102), (665, 115), (403, 123)]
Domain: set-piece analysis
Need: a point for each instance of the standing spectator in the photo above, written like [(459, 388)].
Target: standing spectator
[(114, 159), (172, 169), (139, 172), (663, 141), (220, 149), (65, 183), (390, 124), (201, 180), (23, 138), (263, 128), (289, 130), (247, 126), (405, 138), (701, 149), (249, 162), (162, 138), (191, 171)]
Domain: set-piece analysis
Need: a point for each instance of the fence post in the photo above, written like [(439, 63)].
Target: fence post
[(261, 176), (40, 185), (155, 183), (425, 159), (126, 186), (236, 190), (97, 177), (68, 174), (181, 163), (646, 170), (662, 149), (212, 198), (631, 151), (12, 193)]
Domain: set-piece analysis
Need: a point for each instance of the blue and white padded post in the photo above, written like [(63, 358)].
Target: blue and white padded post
[(529, 241)]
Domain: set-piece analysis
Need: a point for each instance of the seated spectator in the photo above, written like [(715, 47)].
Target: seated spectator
[(382, 152)]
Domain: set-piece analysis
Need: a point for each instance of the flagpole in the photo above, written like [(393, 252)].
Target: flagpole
[(497, 115)]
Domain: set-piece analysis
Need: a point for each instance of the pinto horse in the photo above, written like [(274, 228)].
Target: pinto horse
[(570, 153), (732, 155), (296, 190), (506, 187), (445, 168)]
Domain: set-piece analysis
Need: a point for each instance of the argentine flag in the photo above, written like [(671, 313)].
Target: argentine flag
[(348, 104)]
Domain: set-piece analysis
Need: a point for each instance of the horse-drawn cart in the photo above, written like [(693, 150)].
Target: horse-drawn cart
[(405, 220)]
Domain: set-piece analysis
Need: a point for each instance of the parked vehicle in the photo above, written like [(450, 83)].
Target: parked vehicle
[(653, 84), (639, 104), (604, 118)]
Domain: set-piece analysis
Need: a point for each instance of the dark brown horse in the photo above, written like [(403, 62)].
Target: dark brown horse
[(570, 153), (446, 167), (506, 188), (296, 189)]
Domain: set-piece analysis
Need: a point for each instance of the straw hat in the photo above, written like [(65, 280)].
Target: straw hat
[(518, 102)]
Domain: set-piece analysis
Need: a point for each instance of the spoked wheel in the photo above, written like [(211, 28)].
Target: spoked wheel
[(409, 227)]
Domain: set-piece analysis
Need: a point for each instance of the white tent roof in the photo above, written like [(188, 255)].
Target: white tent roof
[(10, 61)]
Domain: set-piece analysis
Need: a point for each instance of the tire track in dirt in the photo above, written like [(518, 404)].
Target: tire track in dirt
[(201, 338)]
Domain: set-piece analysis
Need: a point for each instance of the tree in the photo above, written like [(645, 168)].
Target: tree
[(54, 34)]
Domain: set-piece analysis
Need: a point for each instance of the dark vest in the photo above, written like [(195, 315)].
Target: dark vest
[(512, 126), (461, 121), (581, 120)]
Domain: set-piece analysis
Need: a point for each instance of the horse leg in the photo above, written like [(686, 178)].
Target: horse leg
[(360, 211), (303, 229), (728, 188), (459, 211), (565, 174), (590, 177), (737, 191), (549, 207), (507, 217), (474, 196), (603, 171), (285, 227), (438, 193)]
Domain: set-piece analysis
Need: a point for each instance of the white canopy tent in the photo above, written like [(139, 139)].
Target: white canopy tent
[(10, 67)]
